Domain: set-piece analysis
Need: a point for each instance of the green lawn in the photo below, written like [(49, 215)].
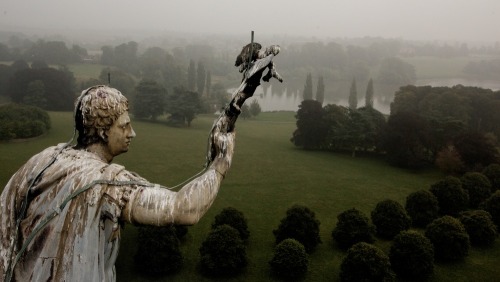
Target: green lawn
[(83, 72), (268, 176)]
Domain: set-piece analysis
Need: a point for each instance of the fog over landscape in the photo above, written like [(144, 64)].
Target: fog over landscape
[(225, 26), (460, 20)]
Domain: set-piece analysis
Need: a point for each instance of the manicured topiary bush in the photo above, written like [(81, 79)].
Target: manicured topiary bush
[(492, 205), (480, 227), (290, 260), (478, 187), (412, 256), (233, 218), (449, 238), (493, 173), (22, 121), (158, 251), (352, 227), (452, 198), (300, 223), (390, 218), (223, 252), (365, 262), (423, 207)]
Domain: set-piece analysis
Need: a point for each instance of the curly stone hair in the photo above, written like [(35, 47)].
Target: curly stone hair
[(96, 110)]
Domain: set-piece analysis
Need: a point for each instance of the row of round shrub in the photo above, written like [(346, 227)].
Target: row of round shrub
[(412, 254), (452, 195)]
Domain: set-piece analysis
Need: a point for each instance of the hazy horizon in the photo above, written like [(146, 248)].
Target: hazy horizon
[(447, 20)]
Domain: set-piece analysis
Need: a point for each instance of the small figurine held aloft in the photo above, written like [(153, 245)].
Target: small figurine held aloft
[(251, 53), (252, 61)]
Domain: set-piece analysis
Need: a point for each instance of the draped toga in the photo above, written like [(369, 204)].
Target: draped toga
[(81, 242)]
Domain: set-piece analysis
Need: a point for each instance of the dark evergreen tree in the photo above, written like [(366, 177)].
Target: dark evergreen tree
[(158, 251), (208, 86), (369, 94), (352, 227), (118, 79), (311, 128), (35, 95), (480, 227), (390, 218), (183, 106), (396, 71), (150, 100), (353, 95), (449, 238), (412, 256), (365, 262), (59, 87), (405, 140), (52, 52), (125, 57), (423, 207), (245, 112), (320, 91), (371, 127), (290, 260), (223, 252), (201, 77), (152, 62), (337, 120), (255, 108), (191, 79), (233, 218), (300, 223), (107, 55), (476, 150), (308, 88)]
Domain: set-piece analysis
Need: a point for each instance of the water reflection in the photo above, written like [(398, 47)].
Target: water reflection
[(287, 97)]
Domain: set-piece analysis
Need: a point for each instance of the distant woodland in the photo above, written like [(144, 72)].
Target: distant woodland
[(425, 124)]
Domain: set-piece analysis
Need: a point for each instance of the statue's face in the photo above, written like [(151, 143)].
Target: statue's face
[(119, 135)]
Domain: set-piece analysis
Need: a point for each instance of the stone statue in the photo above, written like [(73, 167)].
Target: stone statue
[(61, 212)]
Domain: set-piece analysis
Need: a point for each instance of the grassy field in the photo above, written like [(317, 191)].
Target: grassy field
[(267, 177)]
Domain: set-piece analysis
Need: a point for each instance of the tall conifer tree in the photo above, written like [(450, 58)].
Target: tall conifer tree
[(369, 94), (308, 88), (191, 81), (353, 96), (201, 78)]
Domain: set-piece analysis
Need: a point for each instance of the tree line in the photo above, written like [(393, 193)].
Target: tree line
[(155, 81), (338, 60), (453, 127)]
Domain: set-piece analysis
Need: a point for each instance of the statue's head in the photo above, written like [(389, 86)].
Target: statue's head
[(97, 108)]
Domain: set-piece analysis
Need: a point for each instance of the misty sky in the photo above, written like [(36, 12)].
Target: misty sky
[(460, 20)]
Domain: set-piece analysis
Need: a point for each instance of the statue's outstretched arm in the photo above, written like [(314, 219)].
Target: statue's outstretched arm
[(159, 206)]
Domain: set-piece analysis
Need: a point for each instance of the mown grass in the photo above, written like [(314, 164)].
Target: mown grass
[(268, 176), (83, 72)]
